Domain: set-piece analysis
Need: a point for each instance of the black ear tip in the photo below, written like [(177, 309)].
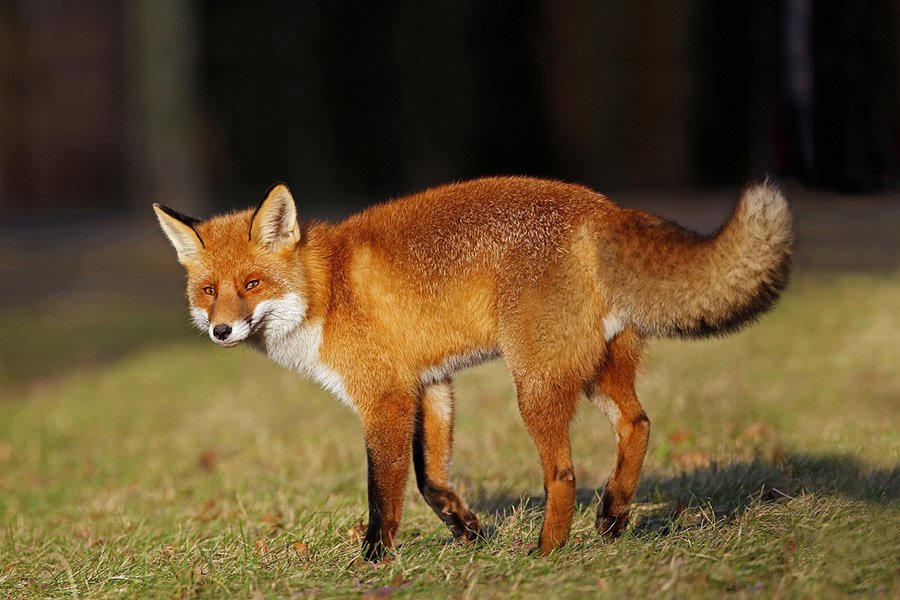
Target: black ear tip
[(275, 186), (189, 221)]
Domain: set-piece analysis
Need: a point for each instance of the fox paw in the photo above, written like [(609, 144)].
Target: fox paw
[(611, 526)]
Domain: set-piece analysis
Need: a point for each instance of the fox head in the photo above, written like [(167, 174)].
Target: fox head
[(243, 275)]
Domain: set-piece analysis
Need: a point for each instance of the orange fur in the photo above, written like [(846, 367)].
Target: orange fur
[(384, 306)]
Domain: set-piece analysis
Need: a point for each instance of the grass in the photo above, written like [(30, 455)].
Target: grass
[(177, 469)]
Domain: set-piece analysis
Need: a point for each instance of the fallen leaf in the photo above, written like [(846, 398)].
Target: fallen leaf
[(301, 549), (262, 548), (679, 436), (273, 520), (208, 461), (756, 431), (89, 536), (207, 511), (602, 584)]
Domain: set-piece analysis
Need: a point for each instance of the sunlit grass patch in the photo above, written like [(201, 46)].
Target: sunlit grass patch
[(181, 469)]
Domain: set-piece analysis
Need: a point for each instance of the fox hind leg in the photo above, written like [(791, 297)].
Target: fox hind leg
[(432, 449), (547, 411), (613, 391)]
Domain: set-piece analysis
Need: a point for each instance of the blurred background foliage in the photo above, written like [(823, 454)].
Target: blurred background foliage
[(201, 104)]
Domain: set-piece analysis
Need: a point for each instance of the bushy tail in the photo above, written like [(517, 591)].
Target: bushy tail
[(672, 282)]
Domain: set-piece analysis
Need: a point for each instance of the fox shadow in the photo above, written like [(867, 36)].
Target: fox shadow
[(728, 489)]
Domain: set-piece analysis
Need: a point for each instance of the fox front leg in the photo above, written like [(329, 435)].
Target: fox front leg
[(388, 426)]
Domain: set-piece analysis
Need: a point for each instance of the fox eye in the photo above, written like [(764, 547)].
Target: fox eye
[(209, 290), (251, 284)]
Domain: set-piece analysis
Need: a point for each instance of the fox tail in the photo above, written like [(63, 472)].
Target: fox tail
[(672, 282)]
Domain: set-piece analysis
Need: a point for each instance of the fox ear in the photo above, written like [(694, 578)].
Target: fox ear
[(180, 230), (274, 224)]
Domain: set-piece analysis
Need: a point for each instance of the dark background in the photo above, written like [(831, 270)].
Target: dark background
[(107, 106)]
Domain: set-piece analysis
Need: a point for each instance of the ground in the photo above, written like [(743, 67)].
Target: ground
[(136, 459)]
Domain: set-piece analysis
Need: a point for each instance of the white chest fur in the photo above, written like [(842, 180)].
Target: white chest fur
[(298, 347)]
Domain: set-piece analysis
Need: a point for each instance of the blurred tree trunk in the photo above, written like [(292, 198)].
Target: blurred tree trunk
[(434, 91), (511, 131), (736, 48), (856, 120), (655, 93), (582, 72), (615, 77), (10, 85), (162, 105)]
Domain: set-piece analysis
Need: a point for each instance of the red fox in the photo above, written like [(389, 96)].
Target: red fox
[(382, 308)]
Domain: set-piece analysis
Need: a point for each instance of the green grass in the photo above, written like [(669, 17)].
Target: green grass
[(178, 469)]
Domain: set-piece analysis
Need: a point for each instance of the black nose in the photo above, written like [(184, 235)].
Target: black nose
[(221, 331)]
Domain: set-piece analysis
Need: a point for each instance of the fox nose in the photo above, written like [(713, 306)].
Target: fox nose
[(221, 331)]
